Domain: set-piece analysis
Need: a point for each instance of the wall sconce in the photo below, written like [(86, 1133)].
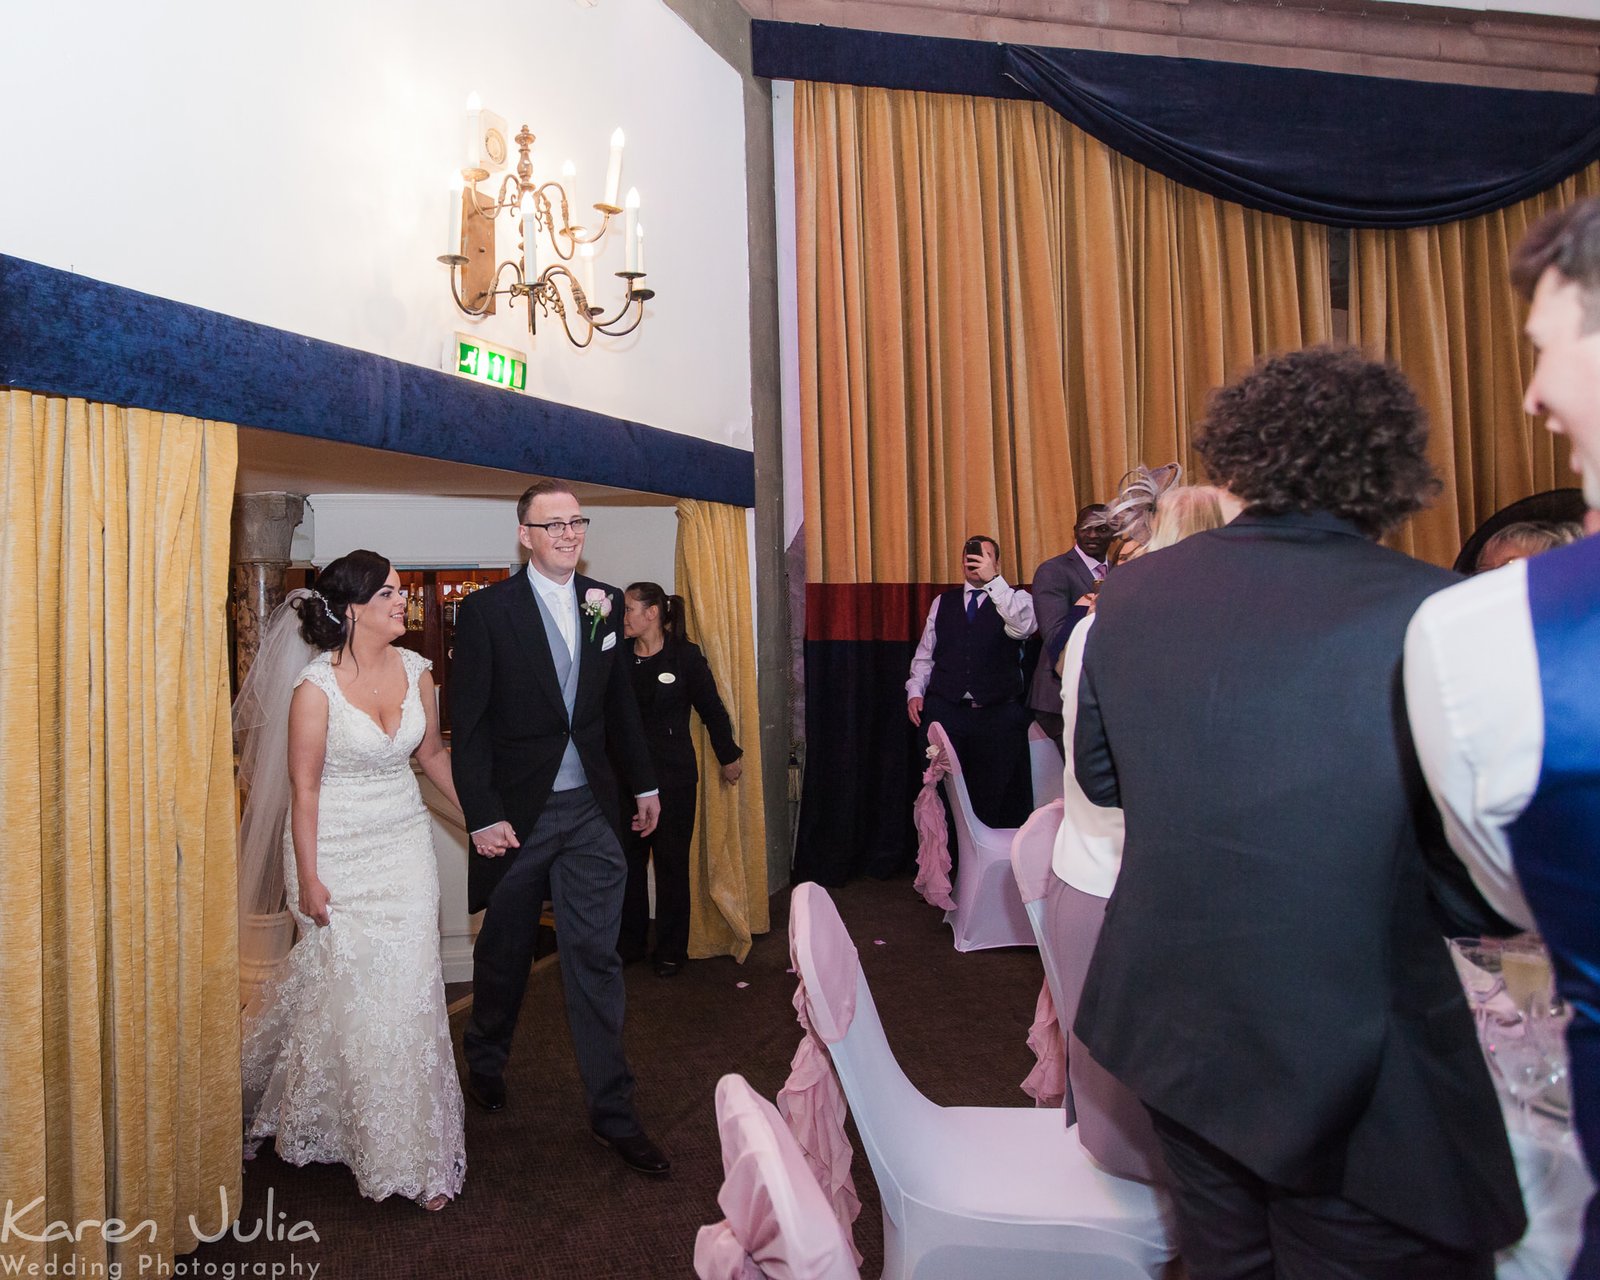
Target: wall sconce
[(475, 274)]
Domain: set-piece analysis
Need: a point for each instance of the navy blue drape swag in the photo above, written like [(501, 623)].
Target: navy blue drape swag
[(1345, 150), (1353, 151)]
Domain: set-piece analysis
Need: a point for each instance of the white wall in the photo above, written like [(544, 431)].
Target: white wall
[(626, 543), (287, 163)]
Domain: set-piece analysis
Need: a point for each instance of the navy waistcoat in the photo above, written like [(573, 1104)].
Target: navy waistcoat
[(974, 658)]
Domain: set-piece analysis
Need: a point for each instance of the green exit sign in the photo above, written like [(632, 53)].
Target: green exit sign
[(494, 365)]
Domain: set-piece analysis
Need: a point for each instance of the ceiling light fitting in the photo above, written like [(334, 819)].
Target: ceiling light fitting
[(475, 274)]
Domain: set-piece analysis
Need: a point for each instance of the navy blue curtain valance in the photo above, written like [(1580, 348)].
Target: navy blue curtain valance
[(1347, 150), (67, 335)]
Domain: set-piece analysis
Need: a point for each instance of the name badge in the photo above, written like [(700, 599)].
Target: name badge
[(666, 677)]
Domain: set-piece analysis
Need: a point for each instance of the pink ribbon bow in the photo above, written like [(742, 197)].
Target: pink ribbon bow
[(1047, 1082), (813, 1104), (933, 849), (718, 1255)]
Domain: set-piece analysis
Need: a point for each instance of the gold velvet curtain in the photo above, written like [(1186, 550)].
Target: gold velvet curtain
[(1439, 303), (998, 316), (119, 1063), (728, 860)]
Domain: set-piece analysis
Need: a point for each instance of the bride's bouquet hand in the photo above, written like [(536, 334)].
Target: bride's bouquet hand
[(315, 902)]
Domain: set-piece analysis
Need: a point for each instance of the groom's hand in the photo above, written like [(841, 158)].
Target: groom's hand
[(644, 822), (493, 841)]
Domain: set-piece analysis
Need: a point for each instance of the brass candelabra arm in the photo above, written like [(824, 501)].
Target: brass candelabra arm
[(637, 297), (510, 196), (583, 235), (556, 224), (479, 306)]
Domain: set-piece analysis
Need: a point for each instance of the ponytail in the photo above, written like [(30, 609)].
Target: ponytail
[(670, 608)]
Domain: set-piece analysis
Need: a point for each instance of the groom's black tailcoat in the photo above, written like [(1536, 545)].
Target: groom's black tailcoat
[(1272, 973), (509, 725)]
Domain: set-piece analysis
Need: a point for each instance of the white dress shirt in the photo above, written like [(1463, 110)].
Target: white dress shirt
[(1088, 851), (1096, 567), (561, 598), (1477, 715), (1014, 607)]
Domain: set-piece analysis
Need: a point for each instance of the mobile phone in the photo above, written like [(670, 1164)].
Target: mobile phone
[(974, 547)]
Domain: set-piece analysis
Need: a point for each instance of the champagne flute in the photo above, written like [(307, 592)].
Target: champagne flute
[(1478, 966), (1525, 969), (1530, 1055)]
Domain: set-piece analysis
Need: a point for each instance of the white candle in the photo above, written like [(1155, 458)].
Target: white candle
[(456, 186), (530, 241), (630, 237), (638, 254), (474, 132), (586, 272), (614, 169)]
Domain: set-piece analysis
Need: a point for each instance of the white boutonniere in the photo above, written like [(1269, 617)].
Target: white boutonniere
[(596, 607)]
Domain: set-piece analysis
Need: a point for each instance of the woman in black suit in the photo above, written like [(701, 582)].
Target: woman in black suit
[(670, 675)]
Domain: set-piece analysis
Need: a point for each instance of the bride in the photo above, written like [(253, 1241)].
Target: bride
[(347, 1055)]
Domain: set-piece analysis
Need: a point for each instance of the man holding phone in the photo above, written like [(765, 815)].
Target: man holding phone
[(967, 675)]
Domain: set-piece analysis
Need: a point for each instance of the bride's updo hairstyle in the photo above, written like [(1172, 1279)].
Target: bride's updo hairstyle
[(351, 579)]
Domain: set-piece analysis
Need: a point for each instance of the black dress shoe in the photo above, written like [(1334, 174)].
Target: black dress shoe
[(668, 968), (489, 1092), (638, 1153)]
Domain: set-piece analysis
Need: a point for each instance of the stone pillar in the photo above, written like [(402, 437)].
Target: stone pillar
[(263, 528)]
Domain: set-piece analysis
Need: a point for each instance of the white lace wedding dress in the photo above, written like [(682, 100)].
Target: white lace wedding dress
[(347, 1054)]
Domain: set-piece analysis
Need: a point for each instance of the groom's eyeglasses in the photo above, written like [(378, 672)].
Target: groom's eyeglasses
[(555, 528)]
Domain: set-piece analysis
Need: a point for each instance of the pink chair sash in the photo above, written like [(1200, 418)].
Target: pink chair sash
[(1033, 847), (812, 1100), (1047, 1082), (778, 1223), (718, 1255), (933, 849)]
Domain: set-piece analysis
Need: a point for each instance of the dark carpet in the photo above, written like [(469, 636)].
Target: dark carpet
[(542, 1199)]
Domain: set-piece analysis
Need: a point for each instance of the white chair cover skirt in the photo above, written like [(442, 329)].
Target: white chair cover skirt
[(990, 1192), (1044, 761), (988, 909)]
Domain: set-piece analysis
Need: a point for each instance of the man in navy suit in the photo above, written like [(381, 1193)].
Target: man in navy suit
[(967, 676), (1058, 584), (538, 697)]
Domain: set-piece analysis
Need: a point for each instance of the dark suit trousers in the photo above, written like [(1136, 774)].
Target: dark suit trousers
[(668, 844), (571, 856), (992, 744), (1232, 1225)]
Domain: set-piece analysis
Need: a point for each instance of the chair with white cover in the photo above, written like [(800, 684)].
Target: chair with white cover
[(1002, 1193), (1030, 862), (779, 1224), (1044, 759), (988, 910), (1112, 1124)]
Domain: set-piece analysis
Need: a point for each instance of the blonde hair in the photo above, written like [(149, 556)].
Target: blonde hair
[(1183, 510)]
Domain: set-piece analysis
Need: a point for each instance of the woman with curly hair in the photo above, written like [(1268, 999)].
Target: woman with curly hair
[(1270, 979)]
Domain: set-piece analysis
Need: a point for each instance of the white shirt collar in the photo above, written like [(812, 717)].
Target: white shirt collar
[(548, 589), (1087, 559)]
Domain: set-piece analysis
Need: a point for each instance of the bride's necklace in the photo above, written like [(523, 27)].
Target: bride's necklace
[(375, 689)]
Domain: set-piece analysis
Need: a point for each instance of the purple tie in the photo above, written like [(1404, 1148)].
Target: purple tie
[(972, 605), (1099, 572)]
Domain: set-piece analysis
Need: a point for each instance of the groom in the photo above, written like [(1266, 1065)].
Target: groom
[(538, 693)]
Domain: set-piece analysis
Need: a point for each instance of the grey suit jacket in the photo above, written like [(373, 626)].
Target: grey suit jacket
[(1057, 585)]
